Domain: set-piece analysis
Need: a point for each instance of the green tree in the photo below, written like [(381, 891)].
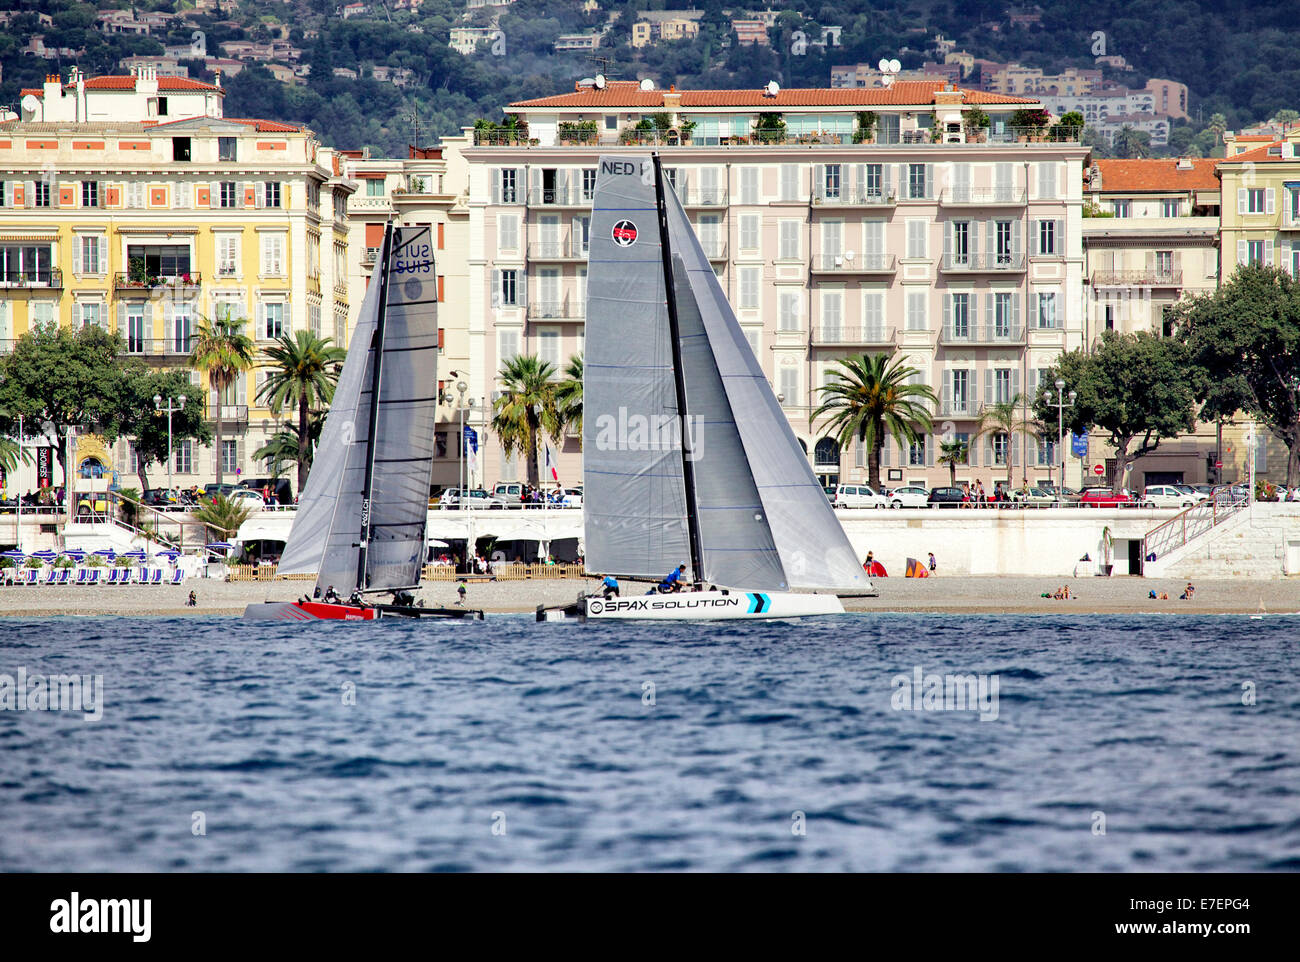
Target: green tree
[(1138, 389), (223, 516), (526, 408), (65, 377), (869, 398), (568, 395), (283, 447), (951, 454), (1003, 417), (1132, 143), (304, 370), (221, 350), (146, 426), (1246, 338)]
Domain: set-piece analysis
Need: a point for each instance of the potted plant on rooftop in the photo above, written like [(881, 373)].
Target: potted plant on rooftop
[(866, 127), (1030, 124), (977, 125), (769, 128)]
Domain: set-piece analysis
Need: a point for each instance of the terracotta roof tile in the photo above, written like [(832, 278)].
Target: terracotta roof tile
[(624, 94), (1260, 155), (1157, 175), (128, 83)]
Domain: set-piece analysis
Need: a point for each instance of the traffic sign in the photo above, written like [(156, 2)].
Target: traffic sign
[(1218, 464), (1098, 470)]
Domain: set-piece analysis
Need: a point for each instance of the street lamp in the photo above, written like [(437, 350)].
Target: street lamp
[(1060, 428), (179, 406)]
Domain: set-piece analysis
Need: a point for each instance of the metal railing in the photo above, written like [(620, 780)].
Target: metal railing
[(703, 197), (50, 278), (981, 334), (960, 408), (853, 197), (1191, 523), (125, 281), (571, 196), (979, 262), (567, 249), (782, 137), (559, 309), (157, 346), (982, 198), (1152, 278), (857, 264), (868, 335)]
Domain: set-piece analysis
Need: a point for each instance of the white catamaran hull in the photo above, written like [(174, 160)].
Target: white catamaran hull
[(698, 606)]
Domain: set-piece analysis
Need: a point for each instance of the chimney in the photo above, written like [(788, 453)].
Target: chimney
[(146, 80), (1185, 163), (53, 89)]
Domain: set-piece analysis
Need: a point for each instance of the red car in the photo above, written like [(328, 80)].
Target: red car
[(1102, 498)]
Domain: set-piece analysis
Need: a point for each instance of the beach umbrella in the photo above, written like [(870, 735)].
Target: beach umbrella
[(438, 544), (219, 546), (108, 553), (15, 554), (170, 553), (136, 553), (46, 555), (76, 554)]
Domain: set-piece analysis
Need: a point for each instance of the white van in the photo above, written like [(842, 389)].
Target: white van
[(1167, 496), (857, 496)]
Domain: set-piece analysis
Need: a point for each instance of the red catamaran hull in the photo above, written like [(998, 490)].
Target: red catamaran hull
[(321, 611)]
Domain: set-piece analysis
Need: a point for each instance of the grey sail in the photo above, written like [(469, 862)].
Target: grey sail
[(408, 401), (776, 505), (634, 497), (326, 534)]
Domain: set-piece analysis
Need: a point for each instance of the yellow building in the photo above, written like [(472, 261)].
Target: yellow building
[(145, 226)]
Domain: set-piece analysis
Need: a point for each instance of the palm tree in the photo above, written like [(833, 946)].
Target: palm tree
[(525, 408), (953, 453), (222, 350), (283, 448), (224, 515), (568, 395), (870, 397), (1003, 417), (304, 370), (9, 451)]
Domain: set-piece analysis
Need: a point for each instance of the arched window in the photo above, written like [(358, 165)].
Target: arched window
[(91, 468), (827, 453)]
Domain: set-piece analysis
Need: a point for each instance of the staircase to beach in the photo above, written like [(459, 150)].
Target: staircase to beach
[(1214, 539)]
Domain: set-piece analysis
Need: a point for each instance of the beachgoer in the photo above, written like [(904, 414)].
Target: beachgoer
[(1188, 592), (460, 594), (193, 601), (933, 564), (866, 565), (672, 581), (609, 587)]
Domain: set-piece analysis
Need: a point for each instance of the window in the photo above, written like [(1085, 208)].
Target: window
[(1047, 237), (873, 315), (1121, 208), (42, 194), (749, 278), (25, 263), (92, 314), (227, 255), (509, 293), (1046, 452), (789, 386), (588, 183), (1047, 181), (271, 193), (789, 234), (226, 148), (158, 260), (229, 456), (182, 329), (548, 348), (789, 181), (183, 453), (611, 121), (375, 187), (183, 195), (1255, 200), (916, 185), (181, 148), (1047, 318), (960, 381), (1169, 208), (509, 185), (90, 193), (42, 313), (272, 255), (136, 337), (832, 181), (508, 232), (1001, 445), (162, 106), (1165, 264), (1001, 385), (1255, 252), (960, 308), (832, 315), (961, 242), (227, 193), (273, 311), (90, 254), (916, 312), (916, 452), (1109, 316), (749, 232), (963, 438), (1002, 315), (507, 344), (749, 185), (874, 181), (916, 239)]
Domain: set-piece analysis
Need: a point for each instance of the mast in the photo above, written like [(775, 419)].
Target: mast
[(679, 380), (376, 370)]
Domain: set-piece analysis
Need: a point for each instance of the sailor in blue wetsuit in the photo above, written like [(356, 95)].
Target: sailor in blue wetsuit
[(609, 587), (672, 582)]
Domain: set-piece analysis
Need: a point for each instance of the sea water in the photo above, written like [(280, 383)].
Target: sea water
[(1088, 743)]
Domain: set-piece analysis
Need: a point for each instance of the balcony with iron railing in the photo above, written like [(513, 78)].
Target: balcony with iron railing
[(570, 196), (155, 283), (565, 249), (703, 196), (996, 197), (838, 335), (714, 249), (977, 263), (955, 335), (1144, 278), (177, 346), (853, 263), (231, 414), (50, 278), (853, 197), (959, 408), (369, 255), (567, 308)]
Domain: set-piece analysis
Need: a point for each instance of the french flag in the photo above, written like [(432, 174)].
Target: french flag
[(551, 467)]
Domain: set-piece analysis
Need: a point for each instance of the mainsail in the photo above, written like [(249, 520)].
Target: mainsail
[(761, 519), (361, 518)]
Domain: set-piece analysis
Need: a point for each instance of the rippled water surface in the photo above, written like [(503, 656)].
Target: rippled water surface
[(511, 745)]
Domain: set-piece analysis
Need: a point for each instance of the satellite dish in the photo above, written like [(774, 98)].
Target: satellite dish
[(772, 88), (895, 66), (647, 84), (600, 81), (31, 103), (848, 256), (587, 82), (883, 65)]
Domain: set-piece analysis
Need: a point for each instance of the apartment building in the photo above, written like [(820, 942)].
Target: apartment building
[(1261, 209), (963, 255), (424, 188), (148, 222)]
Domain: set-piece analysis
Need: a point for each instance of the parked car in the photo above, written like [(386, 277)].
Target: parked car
[(474, 498), (8, 505), (909, 496), (946, 497), (1037, 495), (210, 491), (89, 502), (571, 498), (1066, 493), (509, 492), (1204, 490), (1167, 496), (247, 498), (281, 489), (1102, 498), (857, 496), (1194, 493)]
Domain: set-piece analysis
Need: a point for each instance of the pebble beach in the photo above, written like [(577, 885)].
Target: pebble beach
[(969, 595)]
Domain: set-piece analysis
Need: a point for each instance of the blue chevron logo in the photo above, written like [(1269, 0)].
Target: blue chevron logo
[(759, 603)]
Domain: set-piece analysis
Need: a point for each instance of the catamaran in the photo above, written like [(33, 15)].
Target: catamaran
[(362, 517), (688, 457)]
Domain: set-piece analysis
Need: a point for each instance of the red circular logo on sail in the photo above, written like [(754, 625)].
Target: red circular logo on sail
[(625, 233)]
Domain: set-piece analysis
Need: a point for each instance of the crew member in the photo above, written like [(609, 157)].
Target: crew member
[(673, 580), (609, 587)]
